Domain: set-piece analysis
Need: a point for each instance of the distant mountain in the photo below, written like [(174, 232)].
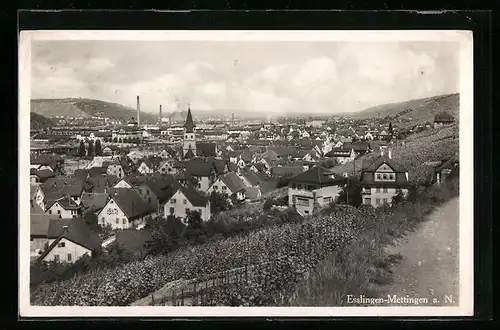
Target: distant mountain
[(79, 107), (38, 121), (416, 111)]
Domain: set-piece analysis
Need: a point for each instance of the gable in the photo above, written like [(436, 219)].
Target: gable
[(122, 184), (385, 168), (111, 210)]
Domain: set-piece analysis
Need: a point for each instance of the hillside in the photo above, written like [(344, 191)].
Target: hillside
[(416, 111), (416, 153), (78, 107), (38, 121)]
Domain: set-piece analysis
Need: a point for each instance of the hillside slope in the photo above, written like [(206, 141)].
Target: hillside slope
[(38, 121), (416, 154), (416, 111), (79, 107)]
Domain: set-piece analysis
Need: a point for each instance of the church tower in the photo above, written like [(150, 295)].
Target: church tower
[(189, 142)]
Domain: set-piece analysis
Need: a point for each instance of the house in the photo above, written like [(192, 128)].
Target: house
[(169, 167), (314, 188), (123, 183), (342, 155), (187, 199), (446, 169), (40, 176), (55, 188), (204, 170), (64, 207), (157, 191), (46, 162), (443, 119), (69, 240), (115, 169), (258, 167), (360, 148), (382, 180), (107, 151), (230, 184), (37, 195), (286, 171), (124, 209), (39, 226), (101, 183), (149, 165), (93, 202)]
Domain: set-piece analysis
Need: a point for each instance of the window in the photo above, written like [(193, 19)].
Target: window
[(117, 221), (185, 201), (103, 219), (299, 186), (391, 176), (367, 201), (224, 188), (62, 244), (199, 185), (124, 221), (377, 189), (69, 256), (306, 212), (149, 200), (327, 200), (172, 201), (171, 210), (377, 201), (378, 176), (50, 211), (294, 185), (56, 257), (302, 201), (384, 200), (385, 176), (187, 210), (31, 239), (215, 187), (147, 191), (58, 211), (385, 189)]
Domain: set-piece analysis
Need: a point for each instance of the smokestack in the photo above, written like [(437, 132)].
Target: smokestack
[(138, 111), (233, 119), (160, 114)]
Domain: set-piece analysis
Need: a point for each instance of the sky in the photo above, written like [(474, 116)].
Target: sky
[(269, 77)]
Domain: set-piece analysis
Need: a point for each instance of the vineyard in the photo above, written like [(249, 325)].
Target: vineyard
[(289, 249)]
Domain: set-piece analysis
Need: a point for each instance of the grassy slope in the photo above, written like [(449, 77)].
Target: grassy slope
[(430, 145), (85, 107), (420, 110)]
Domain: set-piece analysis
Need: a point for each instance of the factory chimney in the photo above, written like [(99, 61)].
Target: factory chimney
[(232, 121), (160, 116), (138, 111)]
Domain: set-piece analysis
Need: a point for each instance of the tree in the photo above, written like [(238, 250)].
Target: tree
[(90, 149), (219, 202), (98, 148), (81, 149), (166, 235), (195, 232), (351, 193), (390, 129), (399, 198)]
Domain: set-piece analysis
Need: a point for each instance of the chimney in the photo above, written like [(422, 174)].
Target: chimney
[(138, 111), (160, 115)]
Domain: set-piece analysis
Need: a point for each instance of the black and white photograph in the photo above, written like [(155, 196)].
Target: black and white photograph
[(246, 173)]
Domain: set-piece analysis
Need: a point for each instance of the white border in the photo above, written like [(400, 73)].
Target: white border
[(466, 246)]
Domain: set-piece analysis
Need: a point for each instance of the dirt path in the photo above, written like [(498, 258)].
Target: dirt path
[(429, 268)]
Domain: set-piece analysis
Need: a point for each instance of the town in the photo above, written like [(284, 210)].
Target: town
[(98, 182)]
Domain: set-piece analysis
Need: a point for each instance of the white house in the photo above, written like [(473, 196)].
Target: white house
[(69, 240), (188, 199), (145, 169), (115, 169), (64, 207), (37, 195), (124, 209), (230, 184), (383, 180), (122, 184)]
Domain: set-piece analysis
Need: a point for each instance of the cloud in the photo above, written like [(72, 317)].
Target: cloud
[(271, 77)]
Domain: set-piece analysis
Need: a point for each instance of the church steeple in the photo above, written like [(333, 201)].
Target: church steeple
[(189, 125)]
